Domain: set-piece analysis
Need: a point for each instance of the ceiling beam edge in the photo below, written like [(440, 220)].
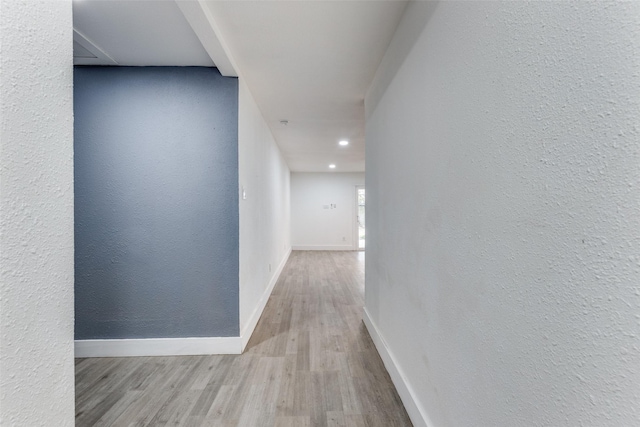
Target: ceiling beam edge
[(203, 24), (101, 57)]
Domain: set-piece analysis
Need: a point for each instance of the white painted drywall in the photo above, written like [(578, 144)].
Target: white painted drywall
[(36, 214), (264, 213), (323, 210), (503, 209)]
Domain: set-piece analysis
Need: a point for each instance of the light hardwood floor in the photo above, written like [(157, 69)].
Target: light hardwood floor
[(310, 362)]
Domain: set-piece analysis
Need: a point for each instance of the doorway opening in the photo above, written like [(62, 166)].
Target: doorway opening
[(360, 216)]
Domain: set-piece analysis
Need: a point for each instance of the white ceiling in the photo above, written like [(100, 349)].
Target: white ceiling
[(138, 33), (308, 62)]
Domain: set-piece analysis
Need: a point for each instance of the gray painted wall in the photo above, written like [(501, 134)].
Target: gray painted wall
[(156, 202)]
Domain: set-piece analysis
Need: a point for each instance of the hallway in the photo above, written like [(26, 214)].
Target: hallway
[(310, 362)]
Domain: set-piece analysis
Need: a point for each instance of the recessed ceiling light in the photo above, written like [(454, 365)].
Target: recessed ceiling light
[(344, 142), (332, 166)]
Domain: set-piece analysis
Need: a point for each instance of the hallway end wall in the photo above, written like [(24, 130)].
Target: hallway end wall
[(323, 210), (503, 193), (265, 241)]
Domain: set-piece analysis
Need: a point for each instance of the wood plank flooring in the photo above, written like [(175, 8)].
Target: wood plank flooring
[(310, 362)]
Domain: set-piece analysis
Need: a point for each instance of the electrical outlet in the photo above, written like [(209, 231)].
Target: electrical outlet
[(344, 239), (269, 268)]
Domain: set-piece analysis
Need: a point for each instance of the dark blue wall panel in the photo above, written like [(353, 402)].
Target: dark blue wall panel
[(156, 202)]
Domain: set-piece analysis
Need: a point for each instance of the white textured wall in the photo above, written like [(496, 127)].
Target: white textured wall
[(503, 204), (264, 214), (312, 226), (36, 214)]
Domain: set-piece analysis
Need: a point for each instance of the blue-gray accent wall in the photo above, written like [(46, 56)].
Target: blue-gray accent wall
[(156, 202)]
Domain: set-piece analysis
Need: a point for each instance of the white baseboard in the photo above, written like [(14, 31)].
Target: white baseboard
[(324, 248), (248, 329), (416, 412), (158, 347)]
